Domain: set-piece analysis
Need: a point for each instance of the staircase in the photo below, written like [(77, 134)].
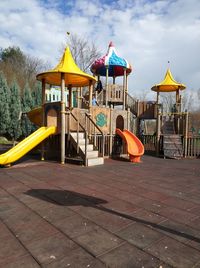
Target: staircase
[(132, 104), (91, 155), (172, 144)]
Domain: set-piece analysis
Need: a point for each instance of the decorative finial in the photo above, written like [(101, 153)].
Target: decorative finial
[(68, 39)]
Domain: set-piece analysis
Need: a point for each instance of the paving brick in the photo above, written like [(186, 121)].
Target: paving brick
[(98, 241), (21, 262), (111, 220), (129, 256), (10, 247), (175, 253), (34, 231), (179, 231), (147, 217), (75, 225), (178, 203), (53, 212), (140, 235), (77, 258), (51, 248), (121, 206)]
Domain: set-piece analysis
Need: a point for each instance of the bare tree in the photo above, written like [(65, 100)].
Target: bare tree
[(16, 65), (168, 100), (83, 51)]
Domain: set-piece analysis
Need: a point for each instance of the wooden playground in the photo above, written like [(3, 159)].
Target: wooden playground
[(105, 121)]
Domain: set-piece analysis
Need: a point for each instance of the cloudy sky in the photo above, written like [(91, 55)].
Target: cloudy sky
[(148, 33)]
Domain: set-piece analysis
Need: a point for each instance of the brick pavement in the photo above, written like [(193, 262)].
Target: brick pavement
[(116, 215)]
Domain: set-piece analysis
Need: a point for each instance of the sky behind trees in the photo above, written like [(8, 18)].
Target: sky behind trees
[(148, 33)]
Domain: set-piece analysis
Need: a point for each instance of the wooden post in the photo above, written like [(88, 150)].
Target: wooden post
[(186, 134), (43, 114), (111, 130), (128, 118), (124, 89), (158, 134), (62, 118), (70, 96), (90, 94), (157, 99), (106, 99)]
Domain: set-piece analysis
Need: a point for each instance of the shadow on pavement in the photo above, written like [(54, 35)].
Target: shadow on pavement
[(70, 198)]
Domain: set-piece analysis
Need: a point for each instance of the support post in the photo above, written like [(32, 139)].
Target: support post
[(158, 134), (111, 131), (186, 135), (124, 90), (62, 118), (90, 94), (177, 100), (70, 95), (106, 95), (43, 114)]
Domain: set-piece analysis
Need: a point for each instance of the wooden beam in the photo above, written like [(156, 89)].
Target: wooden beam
[(43, 114), (62, 118)]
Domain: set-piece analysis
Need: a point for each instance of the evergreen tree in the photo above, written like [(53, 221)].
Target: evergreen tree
[(37, 94), (15, 112), (4, 106), (27, 105)]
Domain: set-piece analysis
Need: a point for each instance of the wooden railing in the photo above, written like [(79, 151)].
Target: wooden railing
[(115, 93), (71, 116), (92, 127), (193, 147), (132, 104)]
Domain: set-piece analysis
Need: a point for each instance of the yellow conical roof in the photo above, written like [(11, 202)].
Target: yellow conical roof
[(168, 84), (73, 75)]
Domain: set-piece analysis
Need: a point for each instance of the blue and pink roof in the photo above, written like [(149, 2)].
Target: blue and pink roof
[(113, 62)]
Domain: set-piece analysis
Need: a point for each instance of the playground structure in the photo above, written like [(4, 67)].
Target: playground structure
[(85, 132), (172, 126), (88, 133)]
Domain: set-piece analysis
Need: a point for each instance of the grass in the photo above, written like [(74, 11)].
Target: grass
[(3, 140)]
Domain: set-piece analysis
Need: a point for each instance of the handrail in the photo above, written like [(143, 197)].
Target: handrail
[(173, 113), (133, 105), (85, 132), (101, 132)]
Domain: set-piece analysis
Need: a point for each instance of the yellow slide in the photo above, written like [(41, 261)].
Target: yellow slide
[(26, 145)]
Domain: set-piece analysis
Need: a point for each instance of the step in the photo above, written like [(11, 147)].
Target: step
[(92, 154), (81, 141), (90, 148), (173, 153), (74, 160), (173, 147), (95, 161), (80, 134)]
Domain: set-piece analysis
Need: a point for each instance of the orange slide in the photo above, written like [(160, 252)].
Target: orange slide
[(135, 147)]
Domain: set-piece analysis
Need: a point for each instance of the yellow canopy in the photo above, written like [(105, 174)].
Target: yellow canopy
[(168, 84), (73, 75)]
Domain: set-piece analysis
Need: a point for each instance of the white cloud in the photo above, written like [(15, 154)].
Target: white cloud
[(146, 33)]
